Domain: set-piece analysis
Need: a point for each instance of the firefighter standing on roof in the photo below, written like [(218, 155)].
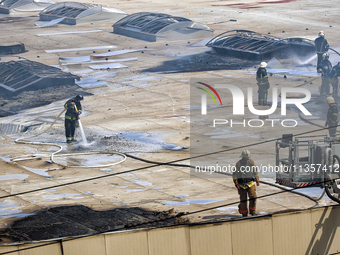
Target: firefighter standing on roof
[(73, 110), (333, 79), (263, 83), (325, 70), (332, 116), (321, 46), (244, 179)]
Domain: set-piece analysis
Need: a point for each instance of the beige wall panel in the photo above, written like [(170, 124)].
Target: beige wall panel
[(325, 225), (253, 236), (127, 243), (94, 245), (292, 232), (51, 249), (169, 241), (9, 248), (211, 239)]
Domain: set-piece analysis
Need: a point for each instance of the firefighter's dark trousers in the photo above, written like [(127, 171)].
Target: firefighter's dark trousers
[(244, 194), (332, 130), (324, 90), (319, 59), (70, 126), (263, 93), (335, 85)]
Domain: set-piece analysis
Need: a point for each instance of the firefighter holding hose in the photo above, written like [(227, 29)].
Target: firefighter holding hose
[(73, 110)]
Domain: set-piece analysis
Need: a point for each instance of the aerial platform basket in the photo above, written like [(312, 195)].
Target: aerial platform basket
[(308, 161)]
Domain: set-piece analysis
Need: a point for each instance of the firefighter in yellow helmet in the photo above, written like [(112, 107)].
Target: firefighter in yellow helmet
[(263, 83), (321, 46), (244, 178), (325, 69)]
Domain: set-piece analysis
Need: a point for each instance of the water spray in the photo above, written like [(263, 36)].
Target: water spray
[(82, 133)]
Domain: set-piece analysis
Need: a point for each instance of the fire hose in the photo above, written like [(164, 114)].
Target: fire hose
[(54, 154)]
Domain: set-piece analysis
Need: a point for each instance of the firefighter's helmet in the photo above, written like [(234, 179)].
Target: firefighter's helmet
[(321, 33), (263, 64), (79, 97), (330, 100), (325, 55), (245, 153)]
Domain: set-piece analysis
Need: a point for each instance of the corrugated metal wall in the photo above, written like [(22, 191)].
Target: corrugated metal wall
[(314, 231)]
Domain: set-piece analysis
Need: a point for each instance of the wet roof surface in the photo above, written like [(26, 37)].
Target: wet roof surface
[(124, 108)]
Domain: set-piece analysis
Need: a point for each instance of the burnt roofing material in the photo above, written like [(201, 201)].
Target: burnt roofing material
[(250, 43), (10, 6), (154, 26), (74, 13), (16, 76)]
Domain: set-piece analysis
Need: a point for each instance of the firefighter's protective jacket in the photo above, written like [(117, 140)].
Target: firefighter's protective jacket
[(262, 78), (72, 111), (321, 45), (332, 115), (245, 174), (325, 68), (335, 72)]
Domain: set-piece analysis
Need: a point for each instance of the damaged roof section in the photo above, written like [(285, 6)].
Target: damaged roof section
[(245, 43), (12, 49), (16, 76), (12, 6), (158, 26), (74, 13)]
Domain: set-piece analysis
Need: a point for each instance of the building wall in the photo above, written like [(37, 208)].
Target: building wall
[(313, 231)]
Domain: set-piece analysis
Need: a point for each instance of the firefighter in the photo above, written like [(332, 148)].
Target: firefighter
[(73, 110), (333, 79), (321, 46), (325, 69), (244, 179), (332, 116), (263, 83)]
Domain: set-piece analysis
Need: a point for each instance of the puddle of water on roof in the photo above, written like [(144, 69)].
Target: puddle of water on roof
[(66, 195), (151, 139), (13, 177), (312, 191), (142, 183), (227, 208), (87, 160), (107, 170), (90, 82), (181, 195), (6, 209), (17, 215), (41, 172), (134, 190)]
